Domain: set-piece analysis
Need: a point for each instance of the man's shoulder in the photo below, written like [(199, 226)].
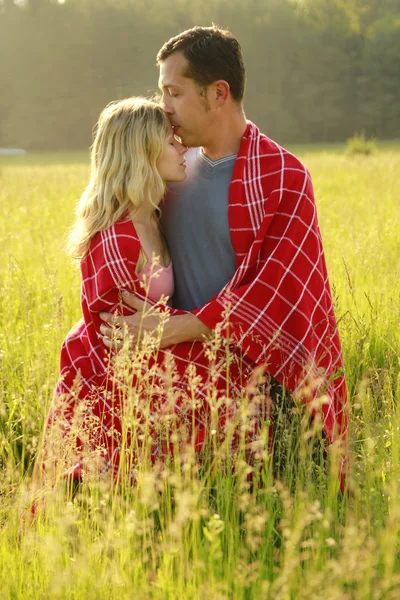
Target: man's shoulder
[(270, 156)]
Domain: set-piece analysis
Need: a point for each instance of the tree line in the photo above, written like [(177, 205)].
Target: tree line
[(318, 70)]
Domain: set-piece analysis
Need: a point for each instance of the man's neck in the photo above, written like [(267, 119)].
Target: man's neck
[(227, 137)]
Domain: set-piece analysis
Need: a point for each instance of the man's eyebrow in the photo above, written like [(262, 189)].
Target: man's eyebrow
[(164, 84)]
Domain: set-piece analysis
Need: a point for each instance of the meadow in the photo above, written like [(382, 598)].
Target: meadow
[(197, 533)]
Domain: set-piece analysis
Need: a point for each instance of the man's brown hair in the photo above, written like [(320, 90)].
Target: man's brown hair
[(212, 53)]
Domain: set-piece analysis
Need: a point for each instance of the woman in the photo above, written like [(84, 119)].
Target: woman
[(107, 415)]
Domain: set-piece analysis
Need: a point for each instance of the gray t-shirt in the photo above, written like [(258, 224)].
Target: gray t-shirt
[(195, 223)]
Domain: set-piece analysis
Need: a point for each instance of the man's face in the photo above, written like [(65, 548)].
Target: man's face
[(186, 107)]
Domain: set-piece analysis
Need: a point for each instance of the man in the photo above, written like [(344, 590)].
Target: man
[(243, 233)]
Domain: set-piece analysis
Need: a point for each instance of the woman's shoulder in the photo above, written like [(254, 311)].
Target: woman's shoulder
[(120, 233), (123, 228), (110, 262), (116, 242)]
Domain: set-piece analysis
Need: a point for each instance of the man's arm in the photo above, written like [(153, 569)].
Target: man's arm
[(177, 329), (184, 328)]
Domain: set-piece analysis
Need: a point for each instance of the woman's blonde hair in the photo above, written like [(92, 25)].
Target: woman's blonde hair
[(129, 139)]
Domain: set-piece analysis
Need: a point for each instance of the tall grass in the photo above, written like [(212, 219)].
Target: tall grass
[(208, 530)]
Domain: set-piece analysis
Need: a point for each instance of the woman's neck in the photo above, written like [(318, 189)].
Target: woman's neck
[(144, 217)]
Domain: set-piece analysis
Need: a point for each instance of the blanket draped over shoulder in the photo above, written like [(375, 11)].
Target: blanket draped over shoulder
[(277, 311), (278, 303)]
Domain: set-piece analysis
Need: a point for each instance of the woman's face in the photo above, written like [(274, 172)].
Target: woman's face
[(171, 164)]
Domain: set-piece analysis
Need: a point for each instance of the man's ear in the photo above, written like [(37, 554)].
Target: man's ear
[(221, 92)]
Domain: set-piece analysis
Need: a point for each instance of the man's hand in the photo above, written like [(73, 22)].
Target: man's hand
[(178, 328)]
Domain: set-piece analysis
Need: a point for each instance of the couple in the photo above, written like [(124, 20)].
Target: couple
[(240, 258)]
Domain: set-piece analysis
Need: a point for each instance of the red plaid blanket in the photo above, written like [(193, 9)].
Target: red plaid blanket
[(278, 307)]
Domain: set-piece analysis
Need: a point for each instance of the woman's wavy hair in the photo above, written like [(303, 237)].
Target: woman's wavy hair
[(129, 139)]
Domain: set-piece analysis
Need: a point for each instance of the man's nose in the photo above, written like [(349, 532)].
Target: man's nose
[(165, 105)]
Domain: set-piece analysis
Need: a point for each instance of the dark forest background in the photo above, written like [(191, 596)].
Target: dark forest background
[(318, 70)]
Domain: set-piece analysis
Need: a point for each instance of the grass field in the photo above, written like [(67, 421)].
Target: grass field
[(203, 535)]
